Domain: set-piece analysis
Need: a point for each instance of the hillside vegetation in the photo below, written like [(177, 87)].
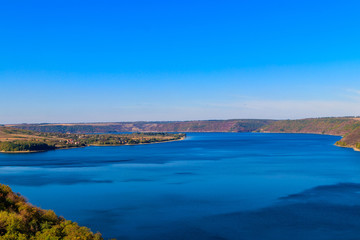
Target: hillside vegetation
[(351, 139), (19, 140), (331, 126), (348, 127), (20, 220)]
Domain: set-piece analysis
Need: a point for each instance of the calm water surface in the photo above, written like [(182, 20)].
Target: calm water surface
[(209, 186)]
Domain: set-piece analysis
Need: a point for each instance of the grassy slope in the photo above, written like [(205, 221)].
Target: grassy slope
[(12, 133)]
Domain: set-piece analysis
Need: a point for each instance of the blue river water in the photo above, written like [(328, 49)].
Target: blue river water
[(209, 186)]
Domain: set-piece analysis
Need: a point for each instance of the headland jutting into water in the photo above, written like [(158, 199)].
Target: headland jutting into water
[(15, 140)]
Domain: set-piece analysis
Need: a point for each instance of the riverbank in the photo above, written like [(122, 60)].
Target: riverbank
[(166, 141), (352, 147), (14, 152), (97, 145), (347, 127), (13, 140), (338, 143)]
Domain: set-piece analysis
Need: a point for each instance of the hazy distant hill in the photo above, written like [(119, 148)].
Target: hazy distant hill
[(331, 126), (244, 125)]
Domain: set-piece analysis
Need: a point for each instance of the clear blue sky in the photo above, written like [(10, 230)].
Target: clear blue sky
[(86, 61)]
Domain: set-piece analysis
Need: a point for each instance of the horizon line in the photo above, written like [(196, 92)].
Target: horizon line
[(163, 121)]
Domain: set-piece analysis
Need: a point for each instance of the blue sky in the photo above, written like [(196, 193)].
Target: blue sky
[(88, 61)]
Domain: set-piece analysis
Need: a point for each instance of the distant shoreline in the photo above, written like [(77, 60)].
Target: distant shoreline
[(95, 145), (15, 152), (117, 145), (348, 127), (335, 144), (354, 148)]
